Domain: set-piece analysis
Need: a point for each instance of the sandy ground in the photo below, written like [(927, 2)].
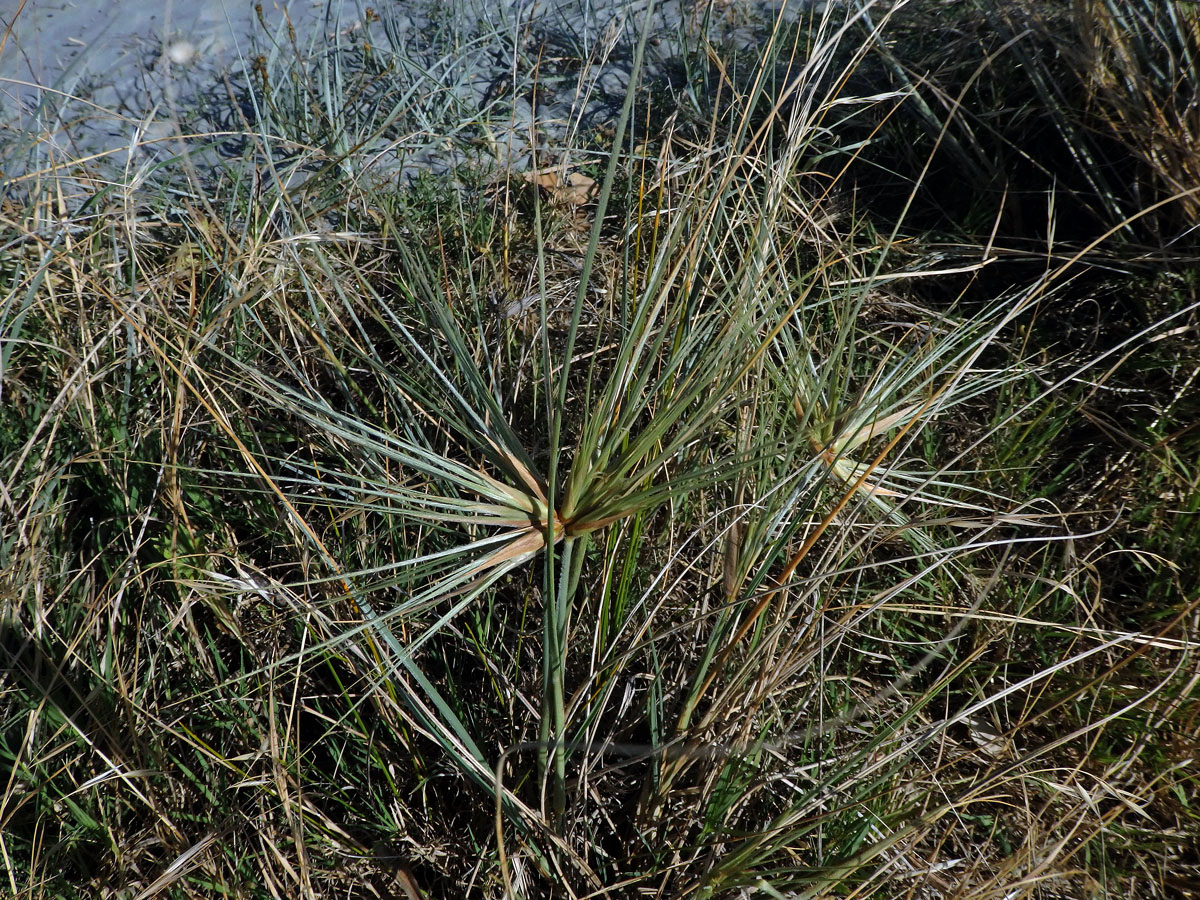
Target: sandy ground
[(105, 47), (89, 76), (120, 80)]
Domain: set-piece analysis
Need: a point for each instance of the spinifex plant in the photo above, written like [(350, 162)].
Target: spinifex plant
[(654, 397)]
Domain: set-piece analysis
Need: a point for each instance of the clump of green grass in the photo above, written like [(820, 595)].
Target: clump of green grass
[(483, 544)]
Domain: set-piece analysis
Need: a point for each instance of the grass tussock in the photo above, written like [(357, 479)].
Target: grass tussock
[(697, 504)]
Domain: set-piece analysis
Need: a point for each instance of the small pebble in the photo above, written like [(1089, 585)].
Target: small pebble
[(180, 53)]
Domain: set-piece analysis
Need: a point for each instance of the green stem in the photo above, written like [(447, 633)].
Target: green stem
[(553, 732)]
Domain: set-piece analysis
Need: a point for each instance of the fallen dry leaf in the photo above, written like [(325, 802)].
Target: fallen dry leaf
[(573, 190)]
